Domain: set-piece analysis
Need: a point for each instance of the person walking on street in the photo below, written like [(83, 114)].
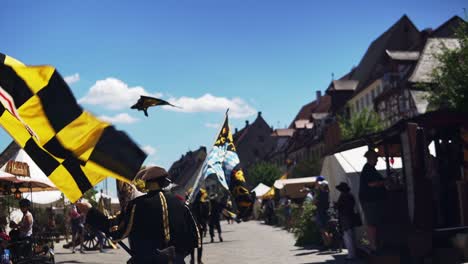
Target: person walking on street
[(77, 224), (216, 207), (160, 228), (372, 194), (345, 207)]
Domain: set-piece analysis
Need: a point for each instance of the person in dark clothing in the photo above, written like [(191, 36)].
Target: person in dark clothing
[(160, 227), (269, 210), (201, 210), (372, 193), (321, 217), (345, 207), (216, 207)]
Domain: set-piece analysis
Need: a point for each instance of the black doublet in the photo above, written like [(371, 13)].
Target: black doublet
[(142, 222)]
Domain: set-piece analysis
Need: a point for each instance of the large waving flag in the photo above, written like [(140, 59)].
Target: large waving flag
[(223, 162), (74, 148)]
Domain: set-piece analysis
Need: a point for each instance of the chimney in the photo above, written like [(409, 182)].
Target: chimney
[(259, 113), (319, 94), (236, 130), (246, 123)]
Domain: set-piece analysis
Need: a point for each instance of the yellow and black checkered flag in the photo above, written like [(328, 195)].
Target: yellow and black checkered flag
[(71, 146)]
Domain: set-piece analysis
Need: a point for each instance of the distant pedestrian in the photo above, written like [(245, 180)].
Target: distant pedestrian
[(216, 208), (268, 210), (346, 215), (77, 224)]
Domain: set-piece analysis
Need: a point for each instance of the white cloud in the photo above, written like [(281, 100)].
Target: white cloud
[(71, 79), (122, 118), (238, 108), (149, 150), (212, 125), (114, 94)]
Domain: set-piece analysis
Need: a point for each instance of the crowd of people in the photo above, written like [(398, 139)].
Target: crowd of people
[(336, 221)]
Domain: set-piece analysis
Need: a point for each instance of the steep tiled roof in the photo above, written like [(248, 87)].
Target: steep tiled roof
[(183, 170), (446, 30), (403, 30), (318, 106), (428, 60), (259, 122), (301, 138)]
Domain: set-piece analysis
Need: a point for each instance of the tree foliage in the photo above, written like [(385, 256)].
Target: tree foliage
[(90, 195), (307, 168), (360, 124), (263, 172), (305, 229), (449, 86)]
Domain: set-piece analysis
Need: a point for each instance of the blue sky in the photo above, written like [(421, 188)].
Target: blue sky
[(204, 55)]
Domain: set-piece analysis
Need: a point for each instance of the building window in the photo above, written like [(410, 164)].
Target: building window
[(373, 94), (256, 152), (261, 138)]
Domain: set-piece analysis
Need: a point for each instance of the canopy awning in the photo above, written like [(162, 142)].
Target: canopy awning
[(293, 187), (260, 190)]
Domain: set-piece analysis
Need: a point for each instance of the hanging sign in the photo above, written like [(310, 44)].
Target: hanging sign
[(18, 168)]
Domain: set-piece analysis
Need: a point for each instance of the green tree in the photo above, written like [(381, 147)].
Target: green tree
[(360, 124), (263, 172), (90, 195), (305, 229), (449, 86), (307, 168)]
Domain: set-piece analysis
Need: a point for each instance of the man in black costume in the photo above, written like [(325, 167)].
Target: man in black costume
[(160, 228)]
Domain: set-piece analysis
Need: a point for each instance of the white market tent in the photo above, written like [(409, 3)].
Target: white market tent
[(346, 167), (260, 190), (293, 187), (45, 197)]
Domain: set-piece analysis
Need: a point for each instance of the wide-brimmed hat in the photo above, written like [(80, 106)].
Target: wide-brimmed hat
[(152, 174), (343, 187)]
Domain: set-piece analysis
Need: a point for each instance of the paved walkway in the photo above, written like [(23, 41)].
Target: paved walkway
[(250, 242)]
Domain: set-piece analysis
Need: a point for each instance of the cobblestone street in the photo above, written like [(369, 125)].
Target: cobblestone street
[(250, 242)]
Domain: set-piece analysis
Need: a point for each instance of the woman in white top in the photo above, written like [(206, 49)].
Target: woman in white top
[(26, 224), (25, 228)]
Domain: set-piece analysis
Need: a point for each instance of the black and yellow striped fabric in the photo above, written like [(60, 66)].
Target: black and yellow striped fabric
[(74, 148)]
